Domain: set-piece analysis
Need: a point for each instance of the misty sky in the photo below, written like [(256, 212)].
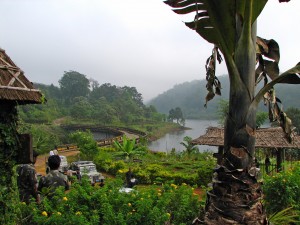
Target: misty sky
[(139, 43)]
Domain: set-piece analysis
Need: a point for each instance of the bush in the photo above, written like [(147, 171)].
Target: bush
[(86, 204), (282, 190)]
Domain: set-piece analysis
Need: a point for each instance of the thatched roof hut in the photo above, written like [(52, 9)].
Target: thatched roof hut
[(14, 86), (273, 137)]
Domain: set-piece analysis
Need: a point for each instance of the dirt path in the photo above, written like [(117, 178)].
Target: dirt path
[(40, 165)]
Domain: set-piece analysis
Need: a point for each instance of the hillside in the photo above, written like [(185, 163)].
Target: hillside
[(190, 97)]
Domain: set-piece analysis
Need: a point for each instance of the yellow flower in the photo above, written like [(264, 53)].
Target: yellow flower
[(184, 184), (159, 190), (24, 203), (159, 194), (59, 213), (142, 199), (44, 213), (174, 185), (168, 214), (65, 199), (78, 213), (129, 204)]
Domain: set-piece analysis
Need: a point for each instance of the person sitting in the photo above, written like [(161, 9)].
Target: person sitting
[(54, 178)]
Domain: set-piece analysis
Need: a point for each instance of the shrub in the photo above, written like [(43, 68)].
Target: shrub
[(86, 204), (282, 190)]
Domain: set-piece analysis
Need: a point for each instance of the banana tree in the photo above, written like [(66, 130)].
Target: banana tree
[(230, 25), (128, 149)]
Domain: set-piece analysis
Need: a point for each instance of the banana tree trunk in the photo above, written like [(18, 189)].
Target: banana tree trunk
[(236, 195)]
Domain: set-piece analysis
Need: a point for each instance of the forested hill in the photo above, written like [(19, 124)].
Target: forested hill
[(190, 97)]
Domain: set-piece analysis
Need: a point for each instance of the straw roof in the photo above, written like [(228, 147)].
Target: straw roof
[(273, 137), (14, 86)]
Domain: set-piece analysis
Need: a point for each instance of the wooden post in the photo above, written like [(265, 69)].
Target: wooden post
[(219, 155), (279, 159)]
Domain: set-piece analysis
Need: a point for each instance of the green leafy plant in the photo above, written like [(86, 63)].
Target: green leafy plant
[(86, 204), (284, 217), (129, 149), (189, 147), (281, 191), (86, 143)]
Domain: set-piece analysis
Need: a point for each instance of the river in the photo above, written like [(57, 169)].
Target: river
[(172, 140)]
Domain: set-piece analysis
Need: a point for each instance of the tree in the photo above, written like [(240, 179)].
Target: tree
[(294, 114), (176, 114), (81, 109), (86, 143), (129, 149), (231, 27), (74, 84)]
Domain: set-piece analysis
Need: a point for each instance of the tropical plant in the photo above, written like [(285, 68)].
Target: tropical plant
[(231, 27), (284, 217), (189, 147), (129, 149)]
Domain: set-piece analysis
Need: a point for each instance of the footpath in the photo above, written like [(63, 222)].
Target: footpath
[(40, 165)]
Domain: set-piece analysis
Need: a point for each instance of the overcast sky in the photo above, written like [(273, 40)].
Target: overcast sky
[(138, 43)]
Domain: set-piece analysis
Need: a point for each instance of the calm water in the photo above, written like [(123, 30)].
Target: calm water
[(172, 140)]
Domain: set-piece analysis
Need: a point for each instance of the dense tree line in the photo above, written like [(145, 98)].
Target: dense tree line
[(83, 99)]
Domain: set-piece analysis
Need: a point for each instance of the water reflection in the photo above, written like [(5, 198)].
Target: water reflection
[(172, 140)]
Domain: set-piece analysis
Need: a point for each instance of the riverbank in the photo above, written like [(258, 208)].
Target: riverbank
[(163, 129)]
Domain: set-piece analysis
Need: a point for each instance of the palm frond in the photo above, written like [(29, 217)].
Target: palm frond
[(284, 217)]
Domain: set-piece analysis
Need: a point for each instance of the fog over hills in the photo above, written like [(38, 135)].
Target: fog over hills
[(190, 97)]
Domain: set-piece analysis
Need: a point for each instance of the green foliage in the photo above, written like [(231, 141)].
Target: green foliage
[(45, 137), (284, 217), (86, 143), (9, 145), (85, 204), (129, 149), (176, 114), (81, 108), (282, 191), (72, 85), (294, 115), (158, 168), (189, 147), (261, 117)]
